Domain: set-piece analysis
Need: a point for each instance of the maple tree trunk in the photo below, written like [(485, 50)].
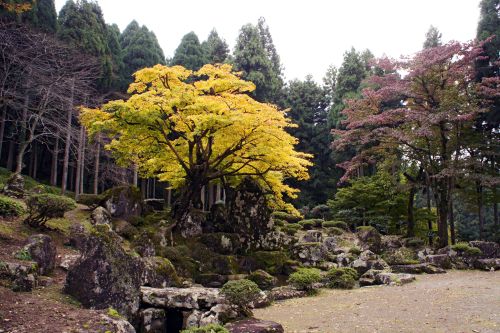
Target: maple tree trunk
[(96, 167), (452, 223), (429, 220), (411, 217), (55, 156), (442, 203)]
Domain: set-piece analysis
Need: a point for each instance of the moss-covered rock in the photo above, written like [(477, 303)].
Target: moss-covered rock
[(342, 278), (263, 279), (159, 272), (400, 256), (271, 261), (370, 237), (223, 243), (123, 201)]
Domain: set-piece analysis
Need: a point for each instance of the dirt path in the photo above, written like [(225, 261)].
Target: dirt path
[(459, 301)]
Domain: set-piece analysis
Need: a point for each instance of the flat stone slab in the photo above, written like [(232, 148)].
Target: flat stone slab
[(187, 298), (417, 269), (253, 325)]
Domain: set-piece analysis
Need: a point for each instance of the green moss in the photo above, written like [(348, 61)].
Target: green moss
[(272, 262), (355, 250), (62, 225), (305, 278), (335, 224), (342, 278), (311, 224), (23, 254), (10, 207), (334, 231), (401, 256), (113, 313), (212, 328), (467, 249)]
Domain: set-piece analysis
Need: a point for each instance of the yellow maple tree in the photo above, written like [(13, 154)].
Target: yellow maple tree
[(194, 128)]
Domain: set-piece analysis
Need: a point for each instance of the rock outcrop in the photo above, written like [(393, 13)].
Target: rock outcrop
[(253, 325), (42, 250), (100, 215)]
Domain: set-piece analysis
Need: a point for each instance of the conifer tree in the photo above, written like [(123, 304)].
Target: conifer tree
[(215, 48), (189, 53)]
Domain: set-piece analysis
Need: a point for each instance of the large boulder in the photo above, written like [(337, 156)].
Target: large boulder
[(392, 279), (249, 214), (123, 201), (370, 238), (253, 325), (42, 250), (191, 223), (440, 260), (311, 254), (285, 292), (118, 324), (197, 298), (100, 215), (105, 276), (158, 272), (263, 279), (221, 242), (313, 236), (20, 277), (488, 249), (491, 264), (153, 320)]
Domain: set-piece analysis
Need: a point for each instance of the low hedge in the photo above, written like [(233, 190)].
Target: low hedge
[(10, 207)]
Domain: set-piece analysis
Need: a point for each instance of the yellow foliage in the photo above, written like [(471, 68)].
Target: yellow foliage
[(183, 127)]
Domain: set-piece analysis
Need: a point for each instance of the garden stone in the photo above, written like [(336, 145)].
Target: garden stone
[(285, 292), (193, 298), (417, 269), (120, 325), (488, 249), (158, 272), (253, 325), (370, 239), (123, 201), (313, 236), (42, 250), (439, 260), (263, 279), (492, 264), (100, 215), (68, 260), (14, 186), (394, 278), (153, 320), (22, 277)]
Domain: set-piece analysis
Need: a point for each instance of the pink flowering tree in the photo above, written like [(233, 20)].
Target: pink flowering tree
[(420, 109)]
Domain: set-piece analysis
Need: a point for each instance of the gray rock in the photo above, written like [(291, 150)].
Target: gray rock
[(424, 253), (197, 298), (394, 278), (68, 260), (43, 251), (21, 277), (123, 201), (219, 314), (440, 260), (330, 244), (361, 266), (153, 320), (488, 249), (370, 239), (253, 325), (417, 269), (285, 292), (100, 215), (313, 236), (263, 279), (14, 186), (120, 325), (105, 276), (310, 254), (492, 264), (158, 272), (369, 278), (191, 223)]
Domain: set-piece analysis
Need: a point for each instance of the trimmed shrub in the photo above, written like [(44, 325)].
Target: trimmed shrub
[(272, 262), (263, 279), (10, 207), (291, 229), (311, 224), (90, 200), (320, 211), (467, 249), (333, 231), (42, 207), (241, 292), (414, 242), (355, 250), (335, 224), (342, 278), (284, 216), (305, 278), (212, 328)]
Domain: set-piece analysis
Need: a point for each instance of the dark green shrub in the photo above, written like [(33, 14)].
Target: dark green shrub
[(10, 207), (342, 278), (272, 262), (414, 242), (333, 231), (335, 224), (212, 328), (311, 224), (241, 292), (320, 212), (23, 254), (90, 200), (290, 218), (279, 223), (305, 278), (263, 279), (42, 207), (355, 250), (463, 247), (291, 229)]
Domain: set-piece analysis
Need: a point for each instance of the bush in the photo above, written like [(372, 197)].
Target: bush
[(355, 250), (284, 216), (320, 211), (335, 224), (10, 207), (42, 207), (241, 292), (401, 256), (291, 229), (414, 242), (23, 254), (311, 224), (212, 328), (305, 278), (467, 249), (90, 200), (333, 231), (263, 279), (342, 278)]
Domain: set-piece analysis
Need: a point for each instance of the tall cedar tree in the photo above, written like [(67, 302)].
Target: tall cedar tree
[(189, 53), (215, 48), (140, 50), (432, 38), (256, 56)]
